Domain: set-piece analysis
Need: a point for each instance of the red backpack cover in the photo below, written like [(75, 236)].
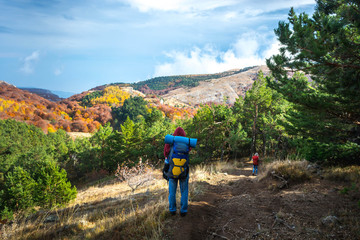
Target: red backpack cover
[(255, 160)]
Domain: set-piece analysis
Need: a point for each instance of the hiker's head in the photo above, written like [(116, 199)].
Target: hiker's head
[(179, 132), (256, 154)]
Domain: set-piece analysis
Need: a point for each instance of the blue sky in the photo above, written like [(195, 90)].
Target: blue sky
[(76, 45)]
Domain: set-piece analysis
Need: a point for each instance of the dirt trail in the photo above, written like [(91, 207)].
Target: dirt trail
[(240, 207)]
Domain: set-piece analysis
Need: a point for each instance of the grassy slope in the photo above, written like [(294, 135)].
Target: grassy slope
[(225, 202)]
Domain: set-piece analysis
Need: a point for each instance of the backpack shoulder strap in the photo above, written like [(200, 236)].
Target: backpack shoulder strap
[(171, 151)]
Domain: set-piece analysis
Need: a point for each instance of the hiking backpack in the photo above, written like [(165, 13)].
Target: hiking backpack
[(179, 160)]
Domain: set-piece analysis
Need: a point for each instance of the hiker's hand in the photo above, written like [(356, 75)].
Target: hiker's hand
[(165, 176), (166, 167), (165, 170)]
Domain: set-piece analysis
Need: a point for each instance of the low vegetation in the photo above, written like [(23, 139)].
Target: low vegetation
[(349, 174), (112, 209), (290, 171)]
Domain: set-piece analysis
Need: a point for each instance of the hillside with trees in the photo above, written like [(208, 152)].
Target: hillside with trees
[(302, 119), (84, 112), (161, 85)]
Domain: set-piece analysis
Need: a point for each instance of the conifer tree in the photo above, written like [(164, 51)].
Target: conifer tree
[(318, 69)]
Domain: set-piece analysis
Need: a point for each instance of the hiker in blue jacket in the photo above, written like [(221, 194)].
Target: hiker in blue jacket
[(173, 182)]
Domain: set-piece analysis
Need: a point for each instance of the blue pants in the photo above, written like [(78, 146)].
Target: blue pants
[(255, 169), (184, 189)]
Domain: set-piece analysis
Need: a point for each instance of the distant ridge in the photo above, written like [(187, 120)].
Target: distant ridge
[(196, 89), (224, 88), (47, 94)]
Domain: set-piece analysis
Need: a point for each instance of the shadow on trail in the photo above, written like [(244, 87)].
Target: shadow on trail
[(241, 207), (200, 215), (204, 210)]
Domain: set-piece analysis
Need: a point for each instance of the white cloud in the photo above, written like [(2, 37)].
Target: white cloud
[(252, 7), (273, 49), (29, 62), (249, 50), (58, 71), (179, 5)]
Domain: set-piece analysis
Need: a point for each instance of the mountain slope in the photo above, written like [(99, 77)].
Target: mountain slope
[(176, 97), (69, 115), (195, 89), (160, 85), (47, 94), (224, 89)]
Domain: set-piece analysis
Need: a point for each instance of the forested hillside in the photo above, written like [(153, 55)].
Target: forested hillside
[(84, 112), (161, 85)]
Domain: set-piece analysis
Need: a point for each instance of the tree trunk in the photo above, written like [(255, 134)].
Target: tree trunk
[(264, 144), (277, 147), (253, 149)]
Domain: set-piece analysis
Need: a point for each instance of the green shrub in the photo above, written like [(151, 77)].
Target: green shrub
[(30, 174), (19, 189), (36, 181), (331, 153), (53, 188)]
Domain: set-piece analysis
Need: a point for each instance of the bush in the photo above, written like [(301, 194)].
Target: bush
[(348, 174), (30, 175), (53, 188), (38, 182), (291, 171), (294, 172), (19, 190), (331, 153)]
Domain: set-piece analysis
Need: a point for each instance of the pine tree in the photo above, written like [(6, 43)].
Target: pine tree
[(318, 69)]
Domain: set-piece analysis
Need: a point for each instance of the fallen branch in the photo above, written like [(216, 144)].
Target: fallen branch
[(217, 235), (278, 220), (283, 180), (223, 228), (245, 230)]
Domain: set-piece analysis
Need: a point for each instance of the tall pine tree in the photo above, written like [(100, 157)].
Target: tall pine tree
[(318, 69)]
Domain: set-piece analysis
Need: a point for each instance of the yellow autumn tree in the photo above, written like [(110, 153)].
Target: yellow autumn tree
[(112, 96)]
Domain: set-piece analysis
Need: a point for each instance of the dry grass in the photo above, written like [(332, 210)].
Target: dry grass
[(96, 212), (111, 210), (292, 171), (347, 174)]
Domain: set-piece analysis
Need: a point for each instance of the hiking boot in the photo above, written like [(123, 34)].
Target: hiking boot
[(172, 213), (183, 214)]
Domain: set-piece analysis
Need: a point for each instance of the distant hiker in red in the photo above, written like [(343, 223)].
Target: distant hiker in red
[(255, 159), (171, 152)]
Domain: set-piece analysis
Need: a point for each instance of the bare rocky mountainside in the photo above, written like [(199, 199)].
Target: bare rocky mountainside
[(196, 89), (215, 90)]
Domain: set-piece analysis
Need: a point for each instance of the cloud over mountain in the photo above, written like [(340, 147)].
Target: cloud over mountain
[(249, 50), (29, 62)]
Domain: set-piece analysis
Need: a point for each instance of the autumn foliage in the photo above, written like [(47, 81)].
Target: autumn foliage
[(84, 112), (49, 116)]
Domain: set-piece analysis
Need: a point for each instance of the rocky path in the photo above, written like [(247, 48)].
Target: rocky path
[(240, 207)]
